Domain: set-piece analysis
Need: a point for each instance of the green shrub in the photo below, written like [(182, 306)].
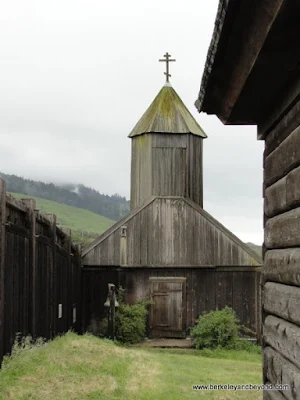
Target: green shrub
[(218, 328), (245, 345), (131, 322)]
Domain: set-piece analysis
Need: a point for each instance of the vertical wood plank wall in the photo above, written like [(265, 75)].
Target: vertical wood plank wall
[(141, 169), (39, 269), (206, 289), (171, 231), (166, 165), (281, 273)]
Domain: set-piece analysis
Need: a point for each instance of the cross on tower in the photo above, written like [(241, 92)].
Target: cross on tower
[(167, 59)]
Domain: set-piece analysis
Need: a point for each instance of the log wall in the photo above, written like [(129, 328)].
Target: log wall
[(281, 272), (39, 274)]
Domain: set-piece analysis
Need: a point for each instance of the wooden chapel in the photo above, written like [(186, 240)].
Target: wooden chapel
[(169, 248)]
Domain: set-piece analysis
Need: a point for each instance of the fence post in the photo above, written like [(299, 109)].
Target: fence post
[(68, 284), (2, 262), (31, 205), (53, 277)]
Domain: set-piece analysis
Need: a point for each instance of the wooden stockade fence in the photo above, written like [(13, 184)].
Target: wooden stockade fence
[(39, 274)]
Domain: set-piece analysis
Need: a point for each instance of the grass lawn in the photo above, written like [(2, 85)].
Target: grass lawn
[(85, 367)]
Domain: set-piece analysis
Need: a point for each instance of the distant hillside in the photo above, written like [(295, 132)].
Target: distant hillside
[(256, 248), (113, 207), (85, 225)]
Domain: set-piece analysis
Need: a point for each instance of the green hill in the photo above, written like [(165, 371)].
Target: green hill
[(85, 225), (257, 248), (76, 195)]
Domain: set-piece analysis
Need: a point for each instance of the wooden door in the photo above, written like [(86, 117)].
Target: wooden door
[(167, 315)]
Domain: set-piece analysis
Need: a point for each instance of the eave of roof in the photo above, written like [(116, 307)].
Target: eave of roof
[(167, 114), (210, 58), (241, 66)]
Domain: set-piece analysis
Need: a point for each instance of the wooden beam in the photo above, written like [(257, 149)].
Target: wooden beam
[(16, 204), (283, 337), (261, 22), (282, 266), (278, 370), (283, 230), (53, 277), (283, 195), (272, 394), (31, 206), (285, 103), (283, 159), (282, 128), (283, 301), (2, 262)]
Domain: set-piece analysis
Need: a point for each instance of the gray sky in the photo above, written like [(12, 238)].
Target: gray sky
[(76, 75)]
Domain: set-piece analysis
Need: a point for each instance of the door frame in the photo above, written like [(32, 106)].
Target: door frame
[(171, 279)]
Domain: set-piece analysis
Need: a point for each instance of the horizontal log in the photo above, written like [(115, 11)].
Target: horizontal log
[(29, 203), (61, 250), (282, 266), (62, 232), (293, 188), (284, 194), (283, 159), (15, 204), (44, 239), (280, 371), (17, 229), (272, 394), (286, 124), (42, 219), (275, 198), (279, 121), (283, 301), (284, 337), (283, 230)]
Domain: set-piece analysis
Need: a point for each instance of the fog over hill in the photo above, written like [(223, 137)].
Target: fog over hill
[(76, 195)]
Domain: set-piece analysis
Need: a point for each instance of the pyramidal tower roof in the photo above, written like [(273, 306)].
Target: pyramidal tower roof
[(167, 114)]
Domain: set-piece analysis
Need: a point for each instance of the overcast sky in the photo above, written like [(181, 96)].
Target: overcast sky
[(76, 75)]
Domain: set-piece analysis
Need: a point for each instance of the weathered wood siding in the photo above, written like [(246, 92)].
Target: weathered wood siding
[(166, 165), (281, 273), (206, 289), (141, 169), (170, 232), (195, 174), (39, 269)]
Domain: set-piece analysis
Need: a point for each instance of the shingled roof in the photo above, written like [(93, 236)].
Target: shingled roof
[(219, 23), (167, 114)]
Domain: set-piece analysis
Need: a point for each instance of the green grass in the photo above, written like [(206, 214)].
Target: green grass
[(77, 219), (86, 367)]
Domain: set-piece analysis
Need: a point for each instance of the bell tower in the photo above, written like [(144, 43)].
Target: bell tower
[(166, 155)]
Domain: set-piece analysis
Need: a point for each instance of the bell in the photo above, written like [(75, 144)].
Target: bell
[(107, 303), (111, 288)]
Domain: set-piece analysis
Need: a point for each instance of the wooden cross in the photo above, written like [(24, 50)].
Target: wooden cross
[(167, 59)]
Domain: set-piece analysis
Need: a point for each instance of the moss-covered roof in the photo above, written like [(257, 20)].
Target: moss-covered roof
[(167, 114)]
